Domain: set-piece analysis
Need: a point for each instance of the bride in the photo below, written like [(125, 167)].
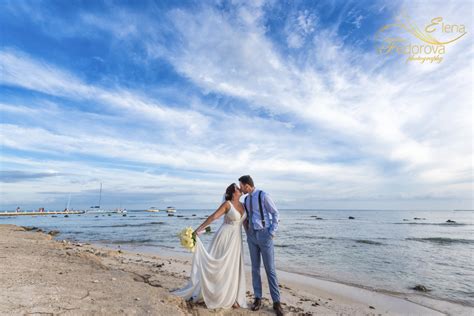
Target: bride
[(217, 274)]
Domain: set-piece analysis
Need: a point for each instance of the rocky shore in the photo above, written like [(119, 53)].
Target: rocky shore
[(43, 276)]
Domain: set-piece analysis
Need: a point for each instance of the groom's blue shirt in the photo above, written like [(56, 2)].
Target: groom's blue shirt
[(270, 212)]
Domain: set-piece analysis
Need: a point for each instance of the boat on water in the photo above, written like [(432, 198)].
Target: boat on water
[(96, 209), (170, 209), (153, 209)]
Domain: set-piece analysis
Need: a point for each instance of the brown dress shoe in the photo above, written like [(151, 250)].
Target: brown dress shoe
[(257, 304), (278, 309)]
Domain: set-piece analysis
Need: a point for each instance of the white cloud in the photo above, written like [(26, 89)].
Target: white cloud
[(339, 123), (21, 70)]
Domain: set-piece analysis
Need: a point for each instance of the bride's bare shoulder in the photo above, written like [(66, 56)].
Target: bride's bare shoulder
[(225, 206)]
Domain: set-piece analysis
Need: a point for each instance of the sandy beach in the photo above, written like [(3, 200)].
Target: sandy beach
[(43, 276)]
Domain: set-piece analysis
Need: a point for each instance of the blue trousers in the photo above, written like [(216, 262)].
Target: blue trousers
[(261, 247)]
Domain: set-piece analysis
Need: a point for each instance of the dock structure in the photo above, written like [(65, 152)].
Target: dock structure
[(35, 213)]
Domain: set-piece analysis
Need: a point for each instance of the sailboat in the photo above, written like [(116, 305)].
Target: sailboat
[(68, 204), (96, 208)]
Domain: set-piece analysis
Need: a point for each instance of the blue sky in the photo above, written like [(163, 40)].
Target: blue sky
[(166, 103)]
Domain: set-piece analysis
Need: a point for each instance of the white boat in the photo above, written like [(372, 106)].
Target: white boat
[(153, 209), (120, 210), (170, 209)]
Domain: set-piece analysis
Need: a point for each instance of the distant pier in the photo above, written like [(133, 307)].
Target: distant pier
[(40, 213)]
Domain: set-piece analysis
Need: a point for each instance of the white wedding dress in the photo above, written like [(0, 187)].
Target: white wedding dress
[(217, 275)]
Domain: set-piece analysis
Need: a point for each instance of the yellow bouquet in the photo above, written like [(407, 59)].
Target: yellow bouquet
[(188, 238)]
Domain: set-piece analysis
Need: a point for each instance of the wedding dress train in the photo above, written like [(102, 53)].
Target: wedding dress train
[(217, 275)]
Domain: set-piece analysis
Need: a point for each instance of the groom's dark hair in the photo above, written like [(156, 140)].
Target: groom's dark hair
[(247, 180)]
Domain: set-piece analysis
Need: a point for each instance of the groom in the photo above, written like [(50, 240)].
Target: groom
[(261, 225)]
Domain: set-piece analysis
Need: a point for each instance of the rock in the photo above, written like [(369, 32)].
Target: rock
[(95, 281), (371, 307), (114, 279), (30, 228), (194, 214), (137, 298), (420, 288), (418, 218), (351, 217), (450, 221), (315, 304), (154, 283), (66, 215), (405, 219), (53, 232)]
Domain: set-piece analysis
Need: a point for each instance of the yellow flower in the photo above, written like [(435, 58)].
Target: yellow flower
[(186, 238)]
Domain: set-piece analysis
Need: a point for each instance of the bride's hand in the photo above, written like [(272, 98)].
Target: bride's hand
[(197, 231)]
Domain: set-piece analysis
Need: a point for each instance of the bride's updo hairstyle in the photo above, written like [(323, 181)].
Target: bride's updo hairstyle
[(229, 192)]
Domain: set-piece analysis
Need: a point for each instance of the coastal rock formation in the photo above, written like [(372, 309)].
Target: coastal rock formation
[(420, 288)]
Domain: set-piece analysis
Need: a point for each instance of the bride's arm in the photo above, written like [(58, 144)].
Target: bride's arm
[(218, 213)]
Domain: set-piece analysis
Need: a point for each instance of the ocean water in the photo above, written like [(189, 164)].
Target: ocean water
[(383, 250)]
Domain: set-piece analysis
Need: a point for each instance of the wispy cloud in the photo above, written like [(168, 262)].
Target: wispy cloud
[(18, 175), (312, 116)]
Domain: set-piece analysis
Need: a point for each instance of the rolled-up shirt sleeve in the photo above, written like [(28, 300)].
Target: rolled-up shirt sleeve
[(272, 209)]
